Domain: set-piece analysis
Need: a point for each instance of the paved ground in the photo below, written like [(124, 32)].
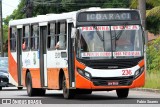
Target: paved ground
[(100, 97)]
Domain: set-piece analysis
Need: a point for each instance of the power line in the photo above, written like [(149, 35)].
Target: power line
[(8, 5)]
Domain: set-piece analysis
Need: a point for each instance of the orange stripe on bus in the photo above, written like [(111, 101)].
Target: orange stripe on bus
[(80, 65), (141, 63), (12, 67)]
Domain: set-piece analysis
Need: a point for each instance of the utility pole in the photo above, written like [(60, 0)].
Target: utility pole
[(1, 30), (142, 8)]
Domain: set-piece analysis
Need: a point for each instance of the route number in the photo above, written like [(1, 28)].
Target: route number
[(126, 72)]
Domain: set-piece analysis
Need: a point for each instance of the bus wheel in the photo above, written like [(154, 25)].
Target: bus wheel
[(122, 93), (33, 91), (67, 93), (0, 88), (30, 90)]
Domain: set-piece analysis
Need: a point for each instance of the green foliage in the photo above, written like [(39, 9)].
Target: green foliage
[(152, 80), (19, 12), (152, 14), (116, 4), (153, 56), (153, 24), (5, 38), (5, 32), (153, 2), (60, 6)]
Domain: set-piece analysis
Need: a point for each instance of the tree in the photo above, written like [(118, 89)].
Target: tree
[(116, 4), (60, 6), (152, 14), (153, 58)]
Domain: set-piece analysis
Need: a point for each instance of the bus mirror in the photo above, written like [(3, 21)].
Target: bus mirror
[(73, 33)]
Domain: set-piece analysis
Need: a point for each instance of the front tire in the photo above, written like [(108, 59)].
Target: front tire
[(33, 91), (67, 93), (0, 88), (122, 93)]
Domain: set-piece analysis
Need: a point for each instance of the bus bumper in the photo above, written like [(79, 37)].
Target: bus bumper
[(83, 83)]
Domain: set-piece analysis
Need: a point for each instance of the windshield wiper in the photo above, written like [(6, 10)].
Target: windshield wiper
[(119, 34), (98, 33)]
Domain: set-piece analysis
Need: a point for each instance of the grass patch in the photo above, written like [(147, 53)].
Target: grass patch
[(152, 80)]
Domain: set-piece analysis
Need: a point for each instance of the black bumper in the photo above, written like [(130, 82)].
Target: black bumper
[(3, 81)]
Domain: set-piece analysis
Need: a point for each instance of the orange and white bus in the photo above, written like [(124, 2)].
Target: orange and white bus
[(79, 52)]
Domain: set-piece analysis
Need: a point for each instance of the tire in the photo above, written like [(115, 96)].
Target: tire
[(33, 91), (67, 93), (0, 88), (19, 88), (122, 93), (30, 90)]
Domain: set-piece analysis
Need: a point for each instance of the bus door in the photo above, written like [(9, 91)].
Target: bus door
[(19, 53), (71, 65), (43, 54)]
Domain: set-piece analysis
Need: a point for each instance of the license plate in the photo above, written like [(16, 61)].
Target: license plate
[(113, 83)]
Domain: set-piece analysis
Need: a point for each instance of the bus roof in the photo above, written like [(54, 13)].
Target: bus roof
[(43, 18), (61, 16)]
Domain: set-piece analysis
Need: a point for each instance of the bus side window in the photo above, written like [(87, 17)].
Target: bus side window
[(34, 37), (13, 39), (61, 37), (51, 36), (26, 38)]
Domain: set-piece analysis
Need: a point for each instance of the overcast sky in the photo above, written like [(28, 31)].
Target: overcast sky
[(8, 6)]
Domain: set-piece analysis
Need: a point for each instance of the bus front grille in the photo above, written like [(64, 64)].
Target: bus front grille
[(114, 81)]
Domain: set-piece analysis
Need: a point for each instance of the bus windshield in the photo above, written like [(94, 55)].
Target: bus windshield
[(107, 42)]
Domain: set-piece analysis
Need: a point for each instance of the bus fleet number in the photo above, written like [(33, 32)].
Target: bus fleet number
[(126, 72)]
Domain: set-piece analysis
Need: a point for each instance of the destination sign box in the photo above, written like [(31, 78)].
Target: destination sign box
[(108, 16)]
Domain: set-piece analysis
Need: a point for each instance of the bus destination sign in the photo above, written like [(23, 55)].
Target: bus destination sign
[(107, 16)]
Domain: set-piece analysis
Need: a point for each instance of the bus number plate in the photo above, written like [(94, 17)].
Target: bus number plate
[(113, 83)]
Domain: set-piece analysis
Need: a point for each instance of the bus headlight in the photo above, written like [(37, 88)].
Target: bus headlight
[(139, 72), (84, 73)]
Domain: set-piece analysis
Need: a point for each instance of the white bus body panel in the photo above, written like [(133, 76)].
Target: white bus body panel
[(110, 72)]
